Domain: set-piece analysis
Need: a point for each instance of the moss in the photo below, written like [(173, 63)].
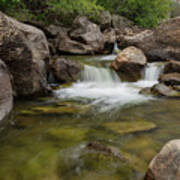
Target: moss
[(58, 108), (68, 136), (130, 126), (145, 149)]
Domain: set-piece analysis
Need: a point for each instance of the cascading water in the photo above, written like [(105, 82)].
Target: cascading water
[(113, 55), (153, 71), (102, 86)]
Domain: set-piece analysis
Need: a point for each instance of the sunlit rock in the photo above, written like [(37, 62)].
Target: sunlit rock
[(130, 63), (165, 165)]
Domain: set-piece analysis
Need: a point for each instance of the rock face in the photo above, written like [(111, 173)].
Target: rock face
[(105, 20), (130, 63), (172, 67), (164, 90), (165, 165), (87, 33), (162, 44), (84, 37), (170, 79), (6, 97), (25, 51), (66, 70), (120, 22), (109, 40)]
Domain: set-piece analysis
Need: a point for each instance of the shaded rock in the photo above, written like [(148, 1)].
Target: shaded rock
[(6, 97), (66, 45), (109, 40), (172, 66), (105, 20), (66, 70), (120, 22), (163, 90), (165, 165), (87, 33), (134, 39), (126, 127), (162, 44), (25, 51), (170, 79), (130, 63)]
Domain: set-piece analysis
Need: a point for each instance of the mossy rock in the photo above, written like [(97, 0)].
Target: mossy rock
[(68, 136), (56, 109), (126, 127), (145, 149)]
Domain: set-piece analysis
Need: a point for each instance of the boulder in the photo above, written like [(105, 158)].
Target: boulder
[(164, 90), (66, 70), (161, 44), (120, 22), (25, 51), (109, 40), (166, 164), (172, 67), (105, 20), (6, 97), (170, 79), (88, 33), (84, 37), (130, 63), (66, 45)]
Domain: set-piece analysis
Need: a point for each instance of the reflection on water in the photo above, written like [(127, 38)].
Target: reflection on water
[(46, 139)]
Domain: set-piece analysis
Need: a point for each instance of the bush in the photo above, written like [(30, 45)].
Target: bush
[(147, 13)]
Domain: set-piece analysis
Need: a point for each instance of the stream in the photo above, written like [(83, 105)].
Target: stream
[(48, 138)]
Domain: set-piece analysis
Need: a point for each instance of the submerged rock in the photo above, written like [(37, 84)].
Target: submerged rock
[(126, 127), (165, 165), (25, 51), (130, 63), (66, 70), (6, 94)]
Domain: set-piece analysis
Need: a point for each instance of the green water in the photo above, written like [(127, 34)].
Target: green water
[(46, 139)]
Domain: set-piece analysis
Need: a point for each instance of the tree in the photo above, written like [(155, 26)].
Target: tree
[(147, 13)]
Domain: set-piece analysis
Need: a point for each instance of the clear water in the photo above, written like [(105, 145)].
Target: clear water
[(46, 138)]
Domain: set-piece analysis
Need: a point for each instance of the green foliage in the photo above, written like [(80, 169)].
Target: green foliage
[(147, 13), (5, 4), (175, 9)]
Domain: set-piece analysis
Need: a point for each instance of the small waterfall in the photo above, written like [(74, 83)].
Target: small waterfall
[(100, 75), (115, 49), (153, 71)]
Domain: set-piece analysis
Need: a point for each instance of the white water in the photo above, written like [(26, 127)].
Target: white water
[(112, 56), (102, 87)]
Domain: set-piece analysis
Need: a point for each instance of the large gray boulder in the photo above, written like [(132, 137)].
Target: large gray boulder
[(87, 33), (25, 51), (160, 44), (166, 164), (130, 63), (6, 97)]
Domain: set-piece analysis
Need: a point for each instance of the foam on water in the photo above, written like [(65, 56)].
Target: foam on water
[(102, 87)]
